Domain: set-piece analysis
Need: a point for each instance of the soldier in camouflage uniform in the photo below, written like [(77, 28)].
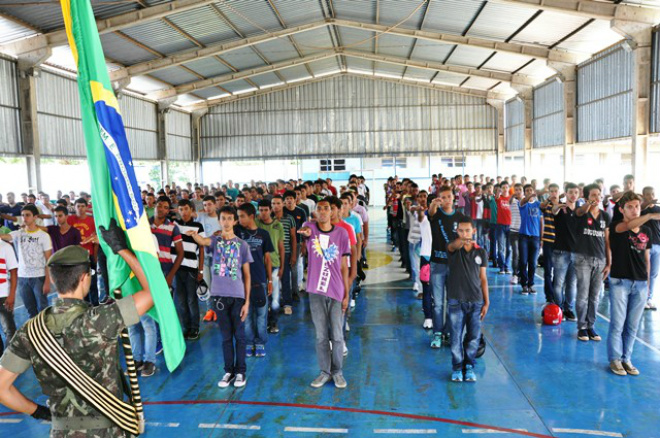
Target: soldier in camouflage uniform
[(88, 334)]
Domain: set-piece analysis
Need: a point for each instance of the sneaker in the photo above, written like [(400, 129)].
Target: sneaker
[(428, 323), (531, 290), (446, 339), (583, 335), (339, 380), (148, 369), (273, 329), (321, 380), (159, 347), (249, 351), (525, 291), (650, 306), (192, 335), (353, 303), (617, 368), (348, 327), (226, 380), (457, 376), (569, 315), (138, 365), (288, 310), (240, 381), (345, 350), (469, 374), (420, 296), (437, 340), (593, 335), (630, 368), (416, 287), (514, 279), (210, 316), (260, 351)]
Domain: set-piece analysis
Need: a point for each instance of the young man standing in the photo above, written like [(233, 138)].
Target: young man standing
[(629, 243), (261, 248), (565, 280), (84, 223), (299, 215), (531, 224), (34, 247), (230, 294), (211, 223), (276, 232), (650, 206), (8, 283), (290, 249), (190, 273), (592, 260), (552, 199), (467, 299), (328, 249), (514, 237), (444, 223), (503, 229), (63, 234)]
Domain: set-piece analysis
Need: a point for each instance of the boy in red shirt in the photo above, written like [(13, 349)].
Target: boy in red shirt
[(502, 230), (84, 223)]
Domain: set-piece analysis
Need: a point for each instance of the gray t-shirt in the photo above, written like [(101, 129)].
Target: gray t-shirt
[(464, 282), (229, 256)]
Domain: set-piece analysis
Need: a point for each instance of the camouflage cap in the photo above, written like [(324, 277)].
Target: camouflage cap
[(69, 256)]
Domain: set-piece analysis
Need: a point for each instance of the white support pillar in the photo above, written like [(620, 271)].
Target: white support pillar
[(567, 72), (499, 135), (525, 93), (639, 41), (196, 121), (161, 128)]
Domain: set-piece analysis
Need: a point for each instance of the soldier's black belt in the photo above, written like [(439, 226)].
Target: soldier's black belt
[(123, 414)]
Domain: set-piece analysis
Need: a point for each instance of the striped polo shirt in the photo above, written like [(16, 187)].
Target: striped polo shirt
[(548, 225), (167, 234), (190, 247)]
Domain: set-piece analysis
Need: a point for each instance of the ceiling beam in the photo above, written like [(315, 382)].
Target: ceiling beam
[(107, 25), (593, 9), (446, 88)]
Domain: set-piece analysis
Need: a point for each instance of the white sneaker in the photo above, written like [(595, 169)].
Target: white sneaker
[(428, 323), (348, 327), (514, 280), (240, 381), (226, 380), (345, 350), (352, 304), (416, 287)]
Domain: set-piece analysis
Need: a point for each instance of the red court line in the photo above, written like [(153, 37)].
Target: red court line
[(353, 410), (4, 414)]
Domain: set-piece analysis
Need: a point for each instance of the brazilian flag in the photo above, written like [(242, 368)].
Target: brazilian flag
[(115, 192)]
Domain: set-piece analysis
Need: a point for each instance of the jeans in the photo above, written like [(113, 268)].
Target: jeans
[(287, 294), (516, 262), (627, 299), (565, 281), (462, 314), (439, 273), (185, 297), (93, 295), (208, 276), (413, 254), (31, 290), (482, 234), (300, 269), (655, 269), (529, 255), (232, 328), (548, 271), (492, 235), (143, 351), (274, 299), (427, 295), (294, 273), (7, 322), (403, 247), (328, 317), (502, 233), (255, 324), (589, 273)]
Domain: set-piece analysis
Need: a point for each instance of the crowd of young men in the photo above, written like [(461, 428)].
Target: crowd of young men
[(589, 238)]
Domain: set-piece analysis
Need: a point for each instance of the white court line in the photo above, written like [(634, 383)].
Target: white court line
[(641, 341), (228, 426), (409, 431), (162, 424), (10, 420), (481, 431), (587, 432), (315, 430)]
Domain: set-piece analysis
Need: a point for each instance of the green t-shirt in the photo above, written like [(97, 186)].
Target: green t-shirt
[(276, 232), (4, 230), (150, 211)]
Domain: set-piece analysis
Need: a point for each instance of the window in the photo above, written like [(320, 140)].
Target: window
[(401, 163), (453, 161), (387, 162), (330, 165)]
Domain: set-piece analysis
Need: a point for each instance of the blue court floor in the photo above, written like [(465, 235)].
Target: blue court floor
[(534, 380)]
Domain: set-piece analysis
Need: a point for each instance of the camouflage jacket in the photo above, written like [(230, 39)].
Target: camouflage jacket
[(90, 337)]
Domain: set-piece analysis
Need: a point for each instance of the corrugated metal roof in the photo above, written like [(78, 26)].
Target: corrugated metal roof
[(210, 93), (10, 31), (395, 45), (187, 99), (420, 74), (506, 62), (175, 75), (294, 73), (451, 16), (593, 38), (480, 83), (538, 69), (445, 78), (205, 25), (237, 86), (278, 50), (549, 27), (395, 11), (159, 36), (314, 40), (358, 64), (469, 56), (243, 58), (145, 84), (431, 51), (208, 67), (250, 16), (500, 21), (389, 69), (324, 66), (123, 51), (293, 13), (356, 39), (266, 79), (355, 10)]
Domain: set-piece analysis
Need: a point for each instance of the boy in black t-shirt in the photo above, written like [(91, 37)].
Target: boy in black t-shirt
[(467, 298), (592, 260), (629, 242)]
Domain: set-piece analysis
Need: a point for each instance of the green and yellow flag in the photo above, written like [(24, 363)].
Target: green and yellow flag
[(115, 191)]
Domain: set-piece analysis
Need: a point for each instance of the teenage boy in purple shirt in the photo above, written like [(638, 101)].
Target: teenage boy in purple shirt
[(328, 250)]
